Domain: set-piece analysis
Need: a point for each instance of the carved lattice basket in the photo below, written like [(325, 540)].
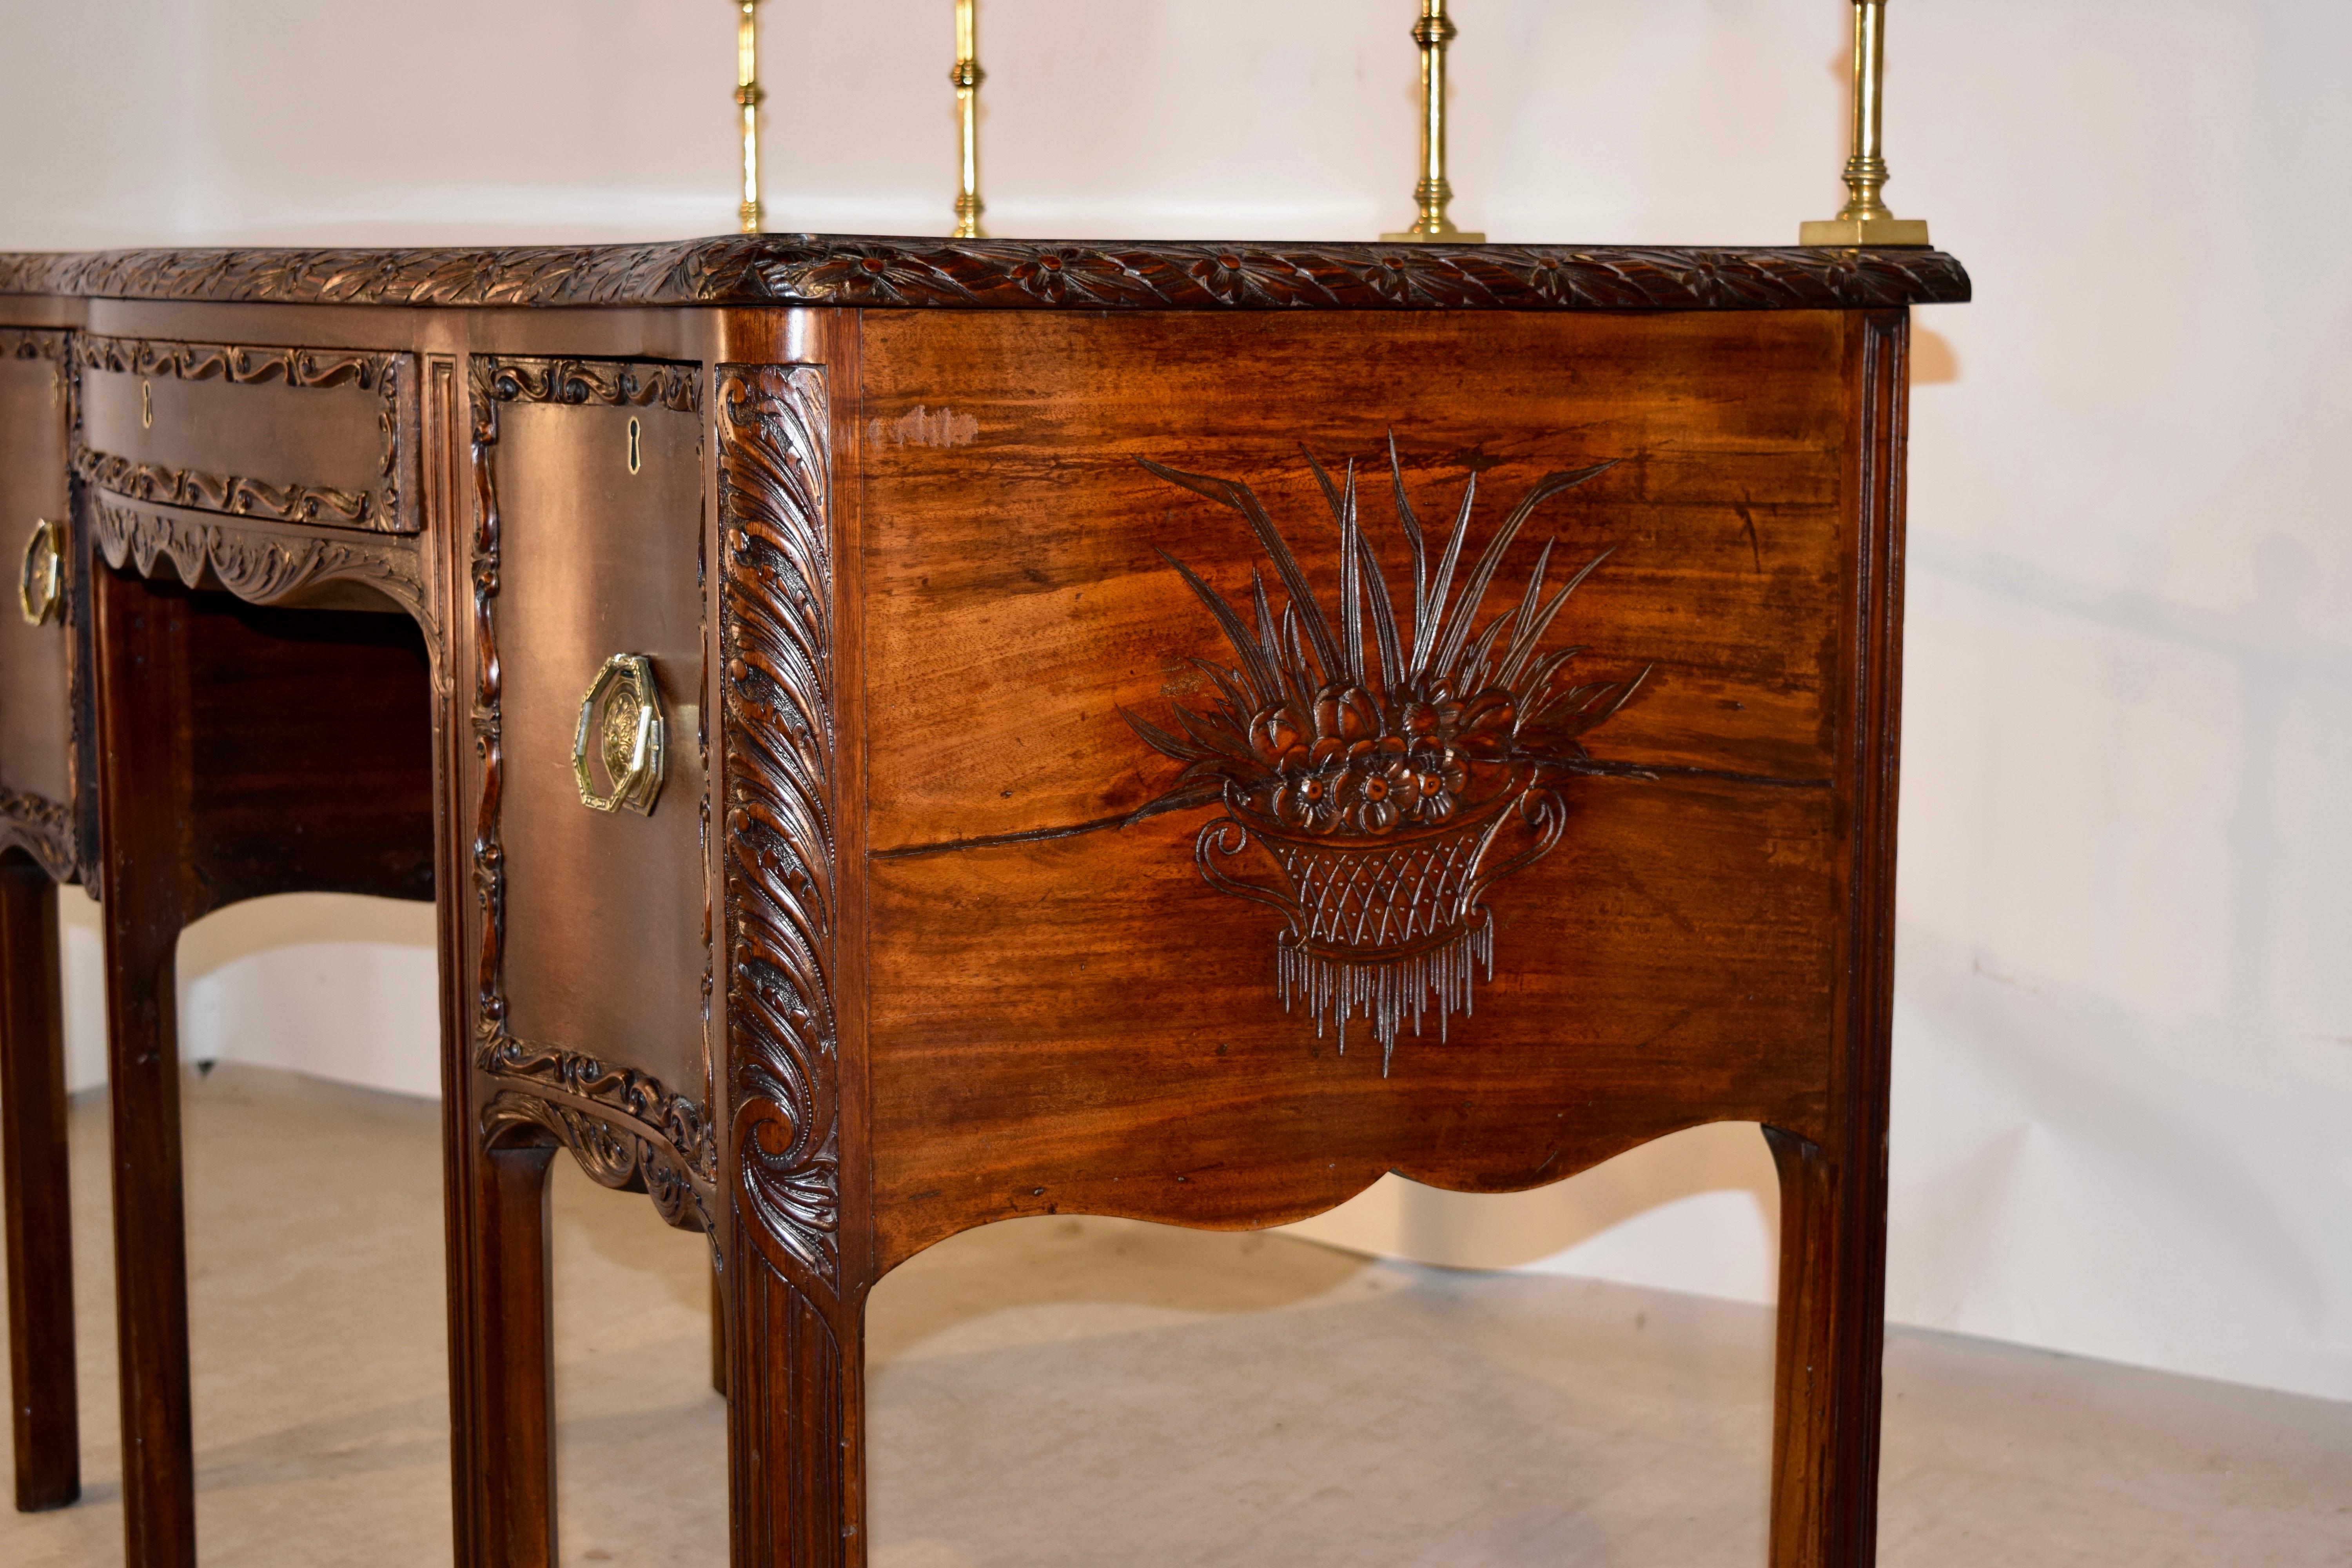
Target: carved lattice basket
[(1389, 927)]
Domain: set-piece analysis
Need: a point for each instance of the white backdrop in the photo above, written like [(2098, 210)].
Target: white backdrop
[(2124, 1057)]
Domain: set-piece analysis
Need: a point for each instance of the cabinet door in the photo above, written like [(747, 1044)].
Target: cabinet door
[(35, 713), (587, 571)]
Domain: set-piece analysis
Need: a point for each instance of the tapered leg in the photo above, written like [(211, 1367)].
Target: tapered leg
[(1827, 1376), (33, 1172), (505, 1444)]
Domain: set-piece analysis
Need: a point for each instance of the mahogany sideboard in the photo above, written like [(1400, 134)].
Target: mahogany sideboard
[(908, 733)]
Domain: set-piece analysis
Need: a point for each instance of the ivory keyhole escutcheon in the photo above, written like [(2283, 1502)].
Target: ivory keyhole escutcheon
[(146, 406), (636, 457)]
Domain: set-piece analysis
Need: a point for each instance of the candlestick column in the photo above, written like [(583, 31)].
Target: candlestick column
[(1865, 220), (1435, 32), (747, 98), (966, 75)]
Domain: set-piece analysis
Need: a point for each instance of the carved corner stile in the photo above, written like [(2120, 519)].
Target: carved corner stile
[(793, 1314), (628, 1129)]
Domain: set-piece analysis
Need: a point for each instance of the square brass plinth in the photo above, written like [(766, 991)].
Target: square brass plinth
[(1451, 236), (1870, 231)]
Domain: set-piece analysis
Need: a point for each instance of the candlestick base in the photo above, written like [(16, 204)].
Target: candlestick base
[(1450, 236), (1878, 233)]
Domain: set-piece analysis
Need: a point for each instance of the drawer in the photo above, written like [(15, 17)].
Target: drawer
[(598, 975), (295, 435), (36, 651)]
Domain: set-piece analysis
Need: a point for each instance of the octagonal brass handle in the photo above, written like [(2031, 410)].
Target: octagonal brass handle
[(41, 577), (620, 731)]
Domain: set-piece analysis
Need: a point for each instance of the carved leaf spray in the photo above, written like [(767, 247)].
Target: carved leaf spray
[(1378, 776)]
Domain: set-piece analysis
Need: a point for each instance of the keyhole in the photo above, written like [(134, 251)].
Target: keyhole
[(635, 460), (146, 406)]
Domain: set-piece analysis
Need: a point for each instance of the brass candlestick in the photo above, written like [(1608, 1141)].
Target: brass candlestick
[(748, 98), (966, 75), (1865, 220), (1433, 32)]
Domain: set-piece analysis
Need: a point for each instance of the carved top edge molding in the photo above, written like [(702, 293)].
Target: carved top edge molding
[(1030, 275)]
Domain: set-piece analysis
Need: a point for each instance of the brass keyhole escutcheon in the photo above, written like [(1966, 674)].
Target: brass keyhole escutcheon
[(636, 456), (146, 406), (41, 576), (620, 733)]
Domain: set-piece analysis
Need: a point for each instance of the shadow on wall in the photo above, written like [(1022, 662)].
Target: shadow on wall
[(329, 984), (1698, 1212)]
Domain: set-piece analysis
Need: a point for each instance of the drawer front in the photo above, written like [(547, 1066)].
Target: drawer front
[(36, 710), (294, 435), (599, 972)]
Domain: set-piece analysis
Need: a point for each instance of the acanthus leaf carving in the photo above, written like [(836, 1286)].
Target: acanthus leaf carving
[(781, 902), (776, 269)]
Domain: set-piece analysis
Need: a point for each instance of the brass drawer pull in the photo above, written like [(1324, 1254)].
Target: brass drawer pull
[(41, 579), (622, 716)]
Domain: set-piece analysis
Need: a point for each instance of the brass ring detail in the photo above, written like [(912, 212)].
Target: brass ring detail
[(41, 576), (621, 728)]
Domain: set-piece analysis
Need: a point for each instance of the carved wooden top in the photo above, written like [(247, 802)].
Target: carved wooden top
[(821, 269)]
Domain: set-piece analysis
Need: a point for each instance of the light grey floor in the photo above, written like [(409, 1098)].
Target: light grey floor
[(1091, 1392)]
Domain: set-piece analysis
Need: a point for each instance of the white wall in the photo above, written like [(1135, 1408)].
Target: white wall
[(2124, 1057)]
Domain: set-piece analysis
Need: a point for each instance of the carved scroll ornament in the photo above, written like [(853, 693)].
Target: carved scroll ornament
[(258, 564), (42, 828)]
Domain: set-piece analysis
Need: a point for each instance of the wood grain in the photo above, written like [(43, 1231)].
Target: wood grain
[(1067, 1016)]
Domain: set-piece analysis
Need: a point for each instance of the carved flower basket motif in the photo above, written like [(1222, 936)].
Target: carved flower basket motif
[(1380, 787)]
